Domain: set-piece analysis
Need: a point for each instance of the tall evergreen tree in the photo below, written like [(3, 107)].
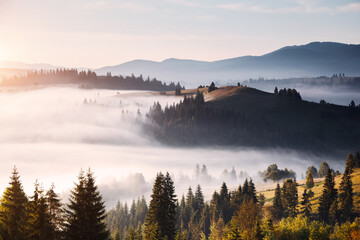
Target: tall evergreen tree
[(289, 198), (86, 211), (199, 202), (350, 163), (13, 217), (55, 211), (346, 199), (162, 209), (40, 227), (305, 204), (328, 196), (225, 203), (277, 210)]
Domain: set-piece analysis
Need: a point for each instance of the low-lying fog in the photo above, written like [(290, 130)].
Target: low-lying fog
[(51, 133)]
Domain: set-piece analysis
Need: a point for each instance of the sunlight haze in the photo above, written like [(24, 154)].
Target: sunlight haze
[(96, 33)]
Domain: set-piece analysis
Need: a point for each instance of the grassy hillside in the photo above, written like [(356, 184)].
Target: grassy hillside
[(262, 119), (317, 189)]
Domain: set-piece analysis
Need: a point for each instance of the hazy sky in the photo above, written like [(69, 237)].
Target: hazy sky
[(94, 33)]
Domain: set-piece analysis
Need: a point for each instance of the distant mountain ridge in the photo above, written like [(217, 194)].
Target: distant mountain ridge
[(310, 60), (313, 59)]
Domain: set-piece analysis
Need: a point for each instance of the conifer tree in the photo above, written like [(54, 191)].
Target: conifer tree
[(86, 211), (56, 213), (205, 220), (277, 208), (309, 180), (289, 198), (39, 219), (305, 204), (350, 163), (13, 217), (199, 202), (346, 196), (162, 209), (252, 191), (328, 196)]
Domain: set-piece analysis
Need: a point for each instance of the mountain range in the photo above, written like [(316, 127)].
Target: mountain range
[(313, 59), (310, 60)]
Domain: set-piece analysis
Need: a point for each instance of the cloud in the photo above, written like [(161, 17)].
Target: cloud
[(105, 5), (301, 6), (351, 7)]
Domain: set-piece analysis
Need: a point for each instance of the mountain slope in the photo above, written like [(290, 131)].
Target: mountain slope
[(313, 59), (243, 116)]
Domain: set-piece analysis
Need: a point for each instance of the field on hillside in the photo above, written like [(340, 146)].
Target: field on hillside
[(317, 189)]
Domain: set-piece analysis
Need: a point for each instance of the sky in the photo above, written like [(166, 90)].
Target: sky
[(96, 33)]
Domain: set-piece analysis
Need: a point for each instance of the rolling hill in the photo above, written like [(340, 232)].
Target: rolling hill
[(243, 116)]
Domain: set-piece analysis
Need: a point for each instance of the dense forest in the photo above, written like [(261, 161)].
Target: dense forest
[(237, 214), (250, 117), (88, 79)]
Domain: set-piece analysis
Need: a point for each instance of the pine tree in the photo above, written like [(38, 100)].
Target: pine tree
[(13, 217), (350, 163), (277, 208), (225, 203), (305, 204), (199, 203), (309, 180), (346, 196), (55, 211), (162, 209), (289, 198), (39, 219), (252, 191), (329, 195), (86, 211)]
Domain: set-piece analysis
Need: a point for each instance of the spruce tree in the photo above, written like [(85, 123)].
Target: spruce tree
[(55, 211), (350, 163), (199, 202), (277, 210), (305, 204), (39, 219), (346, 196), (328, 196), (13, 217), (289, 198), (86, 211), (160, 219)]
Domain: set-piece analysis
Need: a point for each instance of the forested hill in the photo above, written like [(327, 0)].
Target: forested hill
[(242, 116), (88, 79)]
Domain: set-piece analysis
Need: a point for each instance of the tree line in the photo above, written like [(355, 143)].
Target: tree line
[(240, 213), (89, 79), (43, 216)]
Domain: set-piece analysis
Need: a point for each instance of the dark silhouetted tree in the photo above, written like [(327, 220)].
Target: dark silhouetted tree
[(86, 211), (277, 210), (328, 196)]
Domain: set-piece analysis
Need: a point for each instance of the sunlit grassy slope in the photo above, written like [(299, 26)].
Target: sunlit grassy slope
[(355, 177), (307, 126)]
